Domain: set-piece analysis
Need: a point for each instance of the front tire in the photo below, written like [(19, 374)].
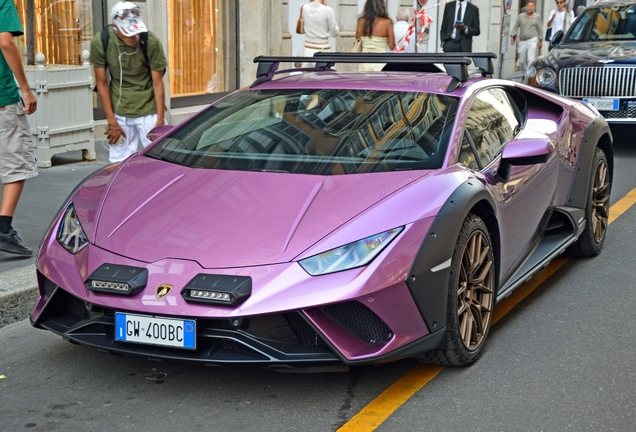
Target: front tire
[(471, 297), (597, 207)]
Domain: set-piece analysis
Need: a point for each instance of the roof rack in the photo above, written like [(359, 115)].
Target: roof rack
[(456, 64)]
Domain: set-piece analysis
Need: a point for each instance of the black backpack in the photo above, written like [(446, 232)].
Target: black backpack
[(143, 41)]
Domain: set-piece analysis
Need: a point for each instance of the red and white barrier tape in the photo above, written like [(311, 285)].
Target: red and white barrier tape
[(425, 22)]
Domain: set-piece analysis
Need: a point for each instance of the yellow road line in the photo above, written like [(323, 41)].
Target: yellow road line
[(374, 414), (622, 205)]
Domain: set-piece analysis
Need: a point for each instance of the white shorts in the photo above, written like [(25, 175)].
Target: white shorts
[(17, 157), (136, 130)]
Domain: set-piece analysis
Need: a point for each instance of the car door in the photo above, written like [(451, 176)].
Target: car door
[(524, 201)]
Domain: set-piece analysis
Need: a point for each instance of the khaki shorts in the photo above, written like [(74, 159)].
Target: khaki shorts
[(17, 158)]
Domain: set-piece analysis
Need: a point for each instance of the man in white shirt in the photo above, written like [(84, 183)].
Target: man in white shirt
[(560, 18), (400, 29)]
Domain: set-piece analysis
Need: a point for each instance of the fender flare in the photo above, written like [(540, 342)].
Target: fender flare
[(579, 190), (429, 275)]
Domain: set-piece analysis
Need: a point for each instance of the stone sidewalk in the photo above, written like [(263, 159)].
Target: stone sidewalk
[(18, 294)]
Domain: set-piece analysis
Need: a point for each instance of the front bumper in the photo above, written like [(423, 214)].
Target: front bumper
[(289, 339), (359, 316)]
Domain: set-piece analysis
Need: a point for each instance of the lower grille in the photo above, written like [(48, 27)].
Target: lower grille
[(359, 320), (630, 113), (303, 331), (267, 339)]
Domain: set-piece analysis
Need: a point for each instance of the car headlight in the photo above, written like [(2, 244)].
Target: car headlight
[(531, 72), (71, 234), (546, 77), (352, 255)]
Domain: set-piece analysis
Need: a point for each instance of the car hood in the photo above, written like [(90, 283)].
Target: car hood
[(591, 53), (155, 210)]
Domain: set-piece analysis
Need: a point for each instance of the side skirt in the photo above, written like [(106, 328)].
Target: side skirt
[(564, 227)]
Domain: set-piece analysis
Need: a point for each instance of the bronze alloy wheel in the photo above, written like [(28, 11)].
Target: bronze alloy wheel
[(600, 200), (475, 293), (471, 296)]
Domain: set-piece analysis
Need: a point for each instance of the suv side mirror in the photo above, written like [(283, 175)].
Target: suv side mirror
[(523, 151), (158, 131), (556, 39)]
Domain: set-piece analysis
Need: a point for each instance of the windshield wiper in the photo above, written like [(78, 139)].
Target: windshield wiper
[(167, 159)]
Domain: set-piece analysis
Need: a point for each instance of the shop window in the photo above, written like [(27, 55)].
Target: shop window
[(62, 28), (201, 47)]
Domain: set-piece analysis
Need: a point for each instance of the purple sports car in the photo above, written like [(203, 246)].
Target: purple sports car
[(330, 218)]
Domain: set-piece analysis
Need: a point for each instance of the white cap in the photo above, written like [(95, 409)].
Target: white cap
[(126, 18)]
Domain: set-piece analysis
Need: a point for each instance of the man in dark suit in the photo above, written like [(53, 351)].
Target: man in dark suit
[(459, 24)]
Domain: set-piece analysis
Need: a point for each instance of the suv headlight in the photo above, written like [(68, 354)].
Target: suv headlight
[(546, 77), (352, 255), (530, 73), (71, 234)]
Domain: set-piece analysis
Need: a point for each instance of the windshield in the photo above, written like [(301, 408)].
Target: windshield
[(324, 132), (611, 23)]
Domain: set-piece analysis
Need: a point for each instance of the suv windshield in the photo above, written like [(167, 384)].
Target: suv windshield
[(610, 23), (324, 132)]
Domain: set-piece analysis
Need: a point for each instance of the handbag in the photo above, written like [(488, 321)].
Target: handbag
[(357, 46), (548, 34), (300, 24)]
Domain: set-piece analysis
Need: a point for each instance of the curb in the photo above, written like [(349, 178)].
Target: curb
[(18, 294)]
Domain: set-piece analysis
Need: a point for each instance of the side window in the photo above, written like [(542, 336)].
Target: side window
[(491, 123), (467, 154)]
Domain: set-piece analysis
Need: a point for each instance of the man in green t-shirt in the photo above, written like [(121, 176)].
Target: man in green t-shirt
[(17, 158), (134, 101)]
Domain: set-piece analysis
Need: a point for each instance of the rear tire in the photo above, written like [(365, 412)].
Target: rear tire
[(471, 297), (597, 207)]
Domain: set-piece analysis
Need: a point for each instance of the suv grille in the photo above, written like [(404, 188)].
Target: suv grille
[(584, 82)]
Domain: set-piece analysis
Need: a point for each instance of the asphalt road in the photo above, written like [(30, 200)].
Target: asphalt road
[(561, 360)]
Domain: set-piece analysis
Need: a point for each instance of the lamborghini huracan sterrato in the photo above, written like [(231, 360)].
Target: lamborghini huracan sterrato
[(330, 218)]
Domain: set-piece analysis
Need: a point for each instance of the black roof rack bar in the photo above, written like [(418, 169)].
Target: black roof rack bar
[(454, 63), (483, 61), (268, 66)]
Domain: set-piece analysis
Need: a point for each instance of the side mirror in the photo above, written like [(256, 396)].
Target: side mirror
[(523, 151), (556, 39), (159, 131)]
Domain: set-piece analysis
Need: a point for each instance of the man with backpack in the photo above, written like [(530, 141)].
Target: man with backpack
[(132, 59)]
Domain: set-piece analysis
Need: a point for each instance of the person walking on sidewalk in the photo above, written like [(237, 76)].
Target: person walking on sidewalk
[(560, 18), (530, 30), (17, 158), (134, 102)]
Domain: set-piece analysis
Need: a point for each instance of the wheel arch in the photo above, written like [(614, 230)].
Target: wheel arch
[(429, 274), (597, 134)]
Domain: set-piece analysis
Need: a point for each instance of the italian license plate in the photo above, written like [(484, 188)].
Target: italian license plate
[(171, 332), (603, 104)]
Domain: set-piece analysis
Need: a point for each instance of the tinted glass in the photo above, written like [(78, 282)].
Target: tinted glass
[(323, 132), (491, 123), (616, 23)]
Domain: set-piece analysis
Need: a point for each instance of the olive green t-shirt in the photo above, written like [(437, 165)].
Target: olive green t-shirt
[(128, 64), (9, 23)]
